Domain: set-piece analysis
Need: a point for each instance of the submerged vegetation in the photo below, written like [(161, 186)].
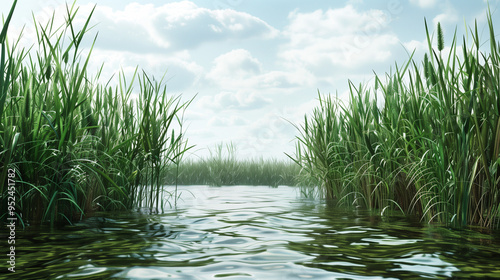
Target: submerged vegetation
[(78, 145), (425, 140), (223, 168)]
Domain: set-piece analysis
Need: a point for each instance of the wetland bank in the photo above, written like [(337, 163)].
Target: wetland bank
[(401, 181)]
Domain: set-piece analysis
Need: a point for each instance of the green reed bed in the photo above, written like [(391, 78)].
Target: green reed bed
[(424, 140), (78, 145), (222, 168)]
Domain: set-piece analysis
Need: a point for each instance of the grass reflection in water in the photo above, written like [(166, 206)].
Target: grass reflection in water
[(247, 232)]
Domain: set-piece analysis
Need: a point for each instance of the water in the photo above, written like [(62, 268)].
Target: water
[(246, 232)]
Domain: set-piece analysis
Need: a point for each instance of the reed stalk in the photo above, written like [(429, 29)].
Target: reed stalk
[(424, 140), (77, 145)]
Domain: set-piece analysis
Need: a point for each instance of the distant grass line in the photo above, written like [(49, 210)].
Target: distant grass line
[(78, 145), (222, 168), (425, 140)]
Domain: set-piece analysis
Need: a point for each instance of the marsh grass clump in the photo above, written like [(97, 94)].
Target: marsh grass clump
[(223, 168), (76, 144), (424, 140)]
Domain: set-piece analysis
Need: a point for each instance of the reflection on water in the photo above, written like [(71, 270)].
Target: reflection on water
[(246, 232)]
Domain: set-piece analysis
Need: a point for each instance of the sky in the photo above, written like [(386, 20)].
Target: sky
[(256, 67)]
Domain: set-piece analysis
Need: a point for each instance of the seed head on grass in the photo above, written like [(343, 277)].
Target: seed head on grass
[(440, 37)]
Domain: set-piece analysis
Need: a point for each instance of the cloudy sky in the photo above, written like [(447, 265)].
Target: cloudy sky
[(257, 65)]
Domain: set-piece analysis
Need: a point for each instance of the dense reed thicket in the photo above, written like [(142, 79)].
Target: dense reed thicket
[(78, 145), (222, 168), (424, 140)]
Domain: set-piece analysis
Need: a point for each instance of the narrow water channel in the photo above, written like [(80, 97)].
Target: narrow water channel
[(247, 232)]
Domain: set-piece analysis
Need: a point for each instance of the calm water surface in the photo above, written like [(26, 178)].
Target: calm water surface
[(247, 232)]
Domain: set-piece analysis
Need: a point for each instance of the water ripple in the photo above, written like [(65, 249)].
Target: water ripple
[(246, 232)]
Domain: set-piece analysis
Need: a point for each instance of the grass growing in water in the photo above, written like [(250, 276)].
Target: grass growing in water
[(78, 145), (431, 149), (222, 168)]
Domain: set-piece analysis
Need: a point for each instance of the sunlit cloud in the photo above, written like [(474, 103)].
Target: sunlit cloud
[(174, 26), (424, 3), (325, 40), (233, 101)]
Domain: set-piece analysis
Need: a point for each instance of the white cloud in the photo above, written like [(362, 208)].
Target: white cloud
[(239, 69), (448, 17), (420, 47), (286, 79), (424, 3), (173, 26), (144, 28), (267, 133), (233, 101), (180, 70), (337, 40), (233, 120), (235, 64)]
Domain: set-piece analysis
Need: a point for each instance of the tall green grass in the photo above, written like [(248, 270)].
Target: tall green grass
[(223, 168), (424, 140), (79, 145)]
